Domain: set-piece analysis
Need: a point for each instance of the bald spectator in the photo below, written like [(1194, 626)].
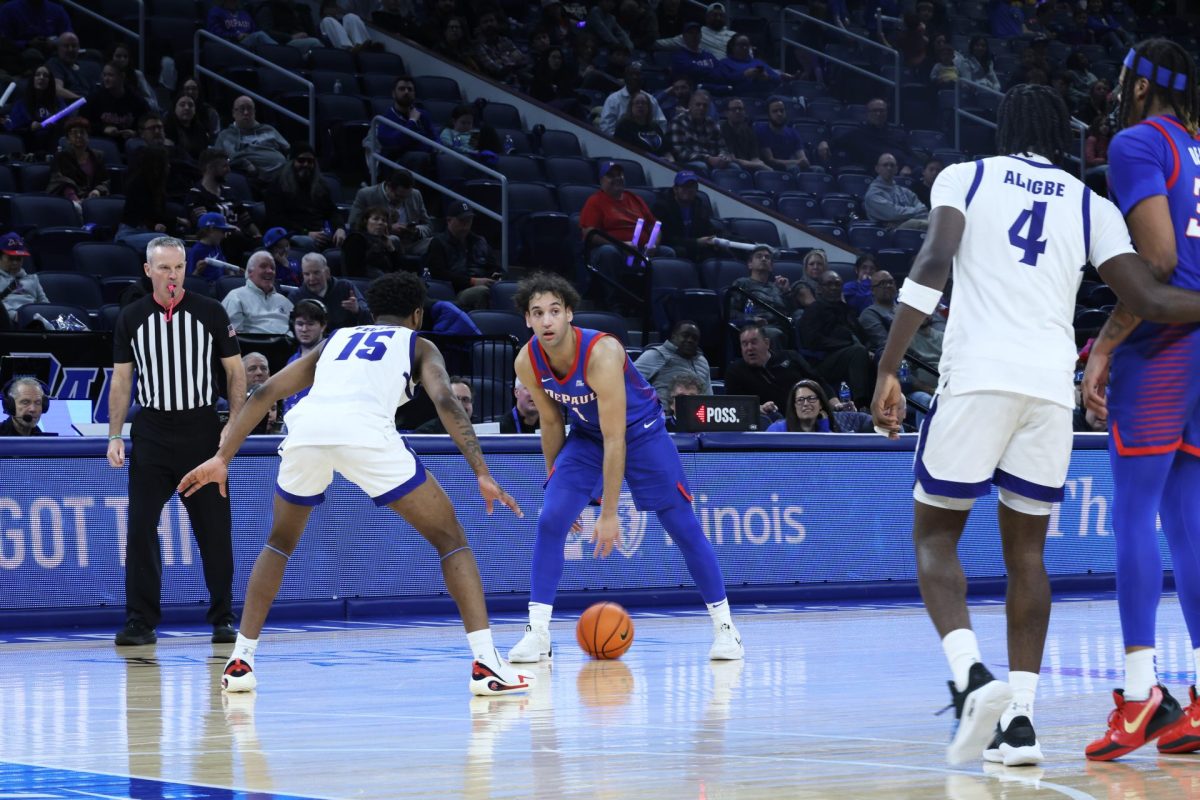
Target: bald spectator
[(74, 78), (523, 417), (257, 307), (257, 369), (767, 375), (876, 319), (697, 138), (890, 204), (714, 36), (864, 144), (254, 148), (680, 355)]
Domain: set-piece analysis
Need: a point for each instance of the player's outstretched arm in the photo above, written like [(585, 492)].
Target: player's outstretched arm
[(605, 374)]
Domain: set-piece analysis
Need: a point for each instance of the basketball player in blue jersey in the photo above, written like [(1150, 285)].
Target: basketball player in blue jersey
[(1017, 232), (618, 432), (359, 376), (1153, 404)]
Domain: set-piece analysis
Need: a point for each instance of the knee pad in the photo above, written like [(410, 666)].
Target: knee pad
[(1025, 505), (940, 501)]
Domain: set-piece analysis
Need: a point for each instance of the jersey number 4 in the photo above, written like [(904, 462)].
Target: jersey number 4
[(373, 345), (1030, 244)]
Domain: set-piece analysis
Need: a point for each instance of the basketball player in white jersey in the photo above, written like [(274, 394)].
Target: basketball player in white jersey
[(1017, 231), (346, 423)]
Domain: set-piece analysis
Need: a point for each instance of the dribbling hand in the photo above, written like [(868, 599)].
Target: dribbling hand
[(212, 471), (492, 492), (606, 534), (888, 406)]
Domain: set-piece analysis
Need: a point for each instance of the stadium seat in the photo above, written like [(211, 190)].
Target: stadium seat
[(908, 240), (732, 180), (52, 248), (107, 259), (436, 87), (606, 321), (105, 212), (867, 236), (501, 115), (30, 211), (774, 183), (838, 206), (547, 241), (521, 168), (635, 176), (72, 288), (561, 171), (440, 290), (718, 273), (113, 287), (107, 318), (753, 231), (331, 59), (493, 359), (26, 314), (502, 323), (800, 207), (560, 143), (814, 183)]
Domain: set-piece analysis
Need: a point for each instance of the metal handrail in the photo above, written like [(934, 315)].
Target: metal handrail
[(960, 113), (784, 41), (311, 122), (373, 157), (139, 35)]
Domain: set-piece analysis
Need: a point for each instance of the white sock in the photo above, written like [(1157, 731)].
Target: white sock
[(244, 649), (539, 614), (483, 649), (962, 650), (719, 611), (1139, 674), (1024, 688)]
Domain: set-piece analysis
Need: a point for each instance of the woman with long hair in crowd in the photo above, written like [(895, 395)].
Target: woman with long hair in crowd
[(39, 101), (186, 129)]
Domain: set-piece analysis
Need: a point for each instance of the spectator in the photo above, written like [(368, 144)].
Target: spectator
[(17, 287), (617, 103), (33, 25), (912, 41), (111, 108), (979, 66), (714, 36), (739, 137), (948, 69), (523, 418), (864, 144), (210, 195), (692, 61), (254, 148), (1077, 32), (808, 410), (675, 98), (602, 23), (411, 222), (926, 346), (229, 21), (639, 21), (556, 83), (211, 230), (558, 25), (1032, 68), (890, 204), (829, 330), (673, 17), (258, 370), (344, 305), (257, 307), (455, 46), (1096, 149), (876, 319), (816, 262), (687, 226), (287, 21), (1105, 28), (639, 129), (26, 401), (779, 143), (461, 387), (1006, 19), (187, 130), (434, 22), (464, 259), (287, 269), (495, 53), (146, 215), (766, 375), (370, 249), (1079, 79), (135, 81), (461, 134), (680, 355), (858, 293), (1095, 106), (300, 200), (344, 30), (28, 114), (697, 138), (152, 133), (684, 383), (758, 295), (309, 323), (207, 114), (397, 16), (747, 74), (933, 167), (73, 78), (77, 171), (406, 113)]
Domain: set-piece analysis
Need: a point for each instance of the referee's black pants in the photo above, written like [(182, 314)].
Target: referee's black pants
[(165, 445)]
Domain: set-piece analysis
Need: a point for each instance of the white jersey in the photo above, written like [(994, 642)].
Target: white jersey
[(1030, 230), (363, 375)]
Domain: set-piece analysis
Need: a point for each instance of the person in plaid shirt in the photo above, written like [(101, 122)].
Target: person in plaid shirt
[(697, 138)]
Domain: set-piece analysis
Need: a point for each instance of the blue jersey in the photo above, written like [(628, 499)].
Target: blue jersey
[(579, 399)]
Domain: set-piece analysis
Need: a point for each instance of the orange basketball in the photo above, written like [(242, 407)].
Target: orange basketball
[(605, 631)]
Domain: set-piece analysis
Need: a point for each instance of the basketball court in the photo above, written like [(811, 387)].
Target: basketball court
[(832, 701)]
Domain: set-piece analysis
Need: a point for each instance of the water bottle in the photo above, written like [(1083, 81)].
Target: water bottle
[(902, 374), (337, 86), (426, 275), (844, 392), (328, 229), (509, 144), (748, 309)]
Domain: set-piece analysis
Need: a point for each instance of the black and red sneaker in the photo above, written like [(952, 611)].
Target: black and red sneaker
[(486, 681), (1133, 723), (1183, 735)]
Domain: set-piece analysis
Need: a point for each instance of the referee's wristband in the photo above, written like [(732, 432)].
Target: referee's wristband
[(115, 436)]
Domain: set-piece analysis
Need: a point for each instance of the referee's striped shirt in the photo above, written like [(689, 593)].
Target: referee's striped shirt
[(174, 358)]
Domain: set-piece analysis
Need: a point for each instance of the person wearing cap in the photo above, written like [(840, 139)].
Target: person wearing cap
[(344, 305), (277, 242), (17, 287), (714, 36), (300, 200), (617, 103), (687, 226), (257, 307), (463, 258), (692, 61), (211, 230), (410, 220), (254, 148), (697, 138)]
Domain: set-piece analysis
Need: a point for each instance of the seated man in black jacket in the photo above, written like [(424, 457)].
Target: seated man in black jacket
[(766, 375), (686, 221), (463, 258), (343, 304), (830, 334)]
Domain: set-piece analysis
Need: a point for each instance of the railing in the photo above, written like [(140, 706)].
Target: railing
[(310, 122), (784, 41), (373, 158), (138, 36), (961, 114)]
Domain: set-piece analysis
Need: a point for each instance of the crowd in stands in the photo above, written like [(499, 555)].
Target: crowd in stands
[(286, 230)]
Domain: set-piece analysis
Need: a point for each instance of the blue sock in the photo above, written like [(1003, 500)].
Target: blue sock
[(1183, 536), (680, 522), (560, 509), (1138, 484)]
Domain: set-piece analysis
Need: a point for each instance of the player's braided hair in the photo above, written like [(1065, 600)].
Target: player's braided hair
[(545, 283), (1033, 119), (396, 294), (1172, 79)]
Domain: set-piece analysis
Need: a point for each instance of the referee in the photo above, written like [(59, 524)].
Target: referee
[(171, 336)]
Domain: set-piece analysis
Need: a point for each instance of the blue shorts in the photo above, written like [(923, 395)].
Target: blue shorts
[(1154, 394), (653, 470)]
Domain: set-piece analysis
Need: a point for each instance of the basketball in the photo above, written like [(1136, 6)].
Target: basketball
[(605, 631)]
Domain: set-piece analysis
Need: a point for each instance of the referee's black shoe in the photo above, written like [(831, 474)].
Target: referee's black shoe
[(224, 633), (136, 632)]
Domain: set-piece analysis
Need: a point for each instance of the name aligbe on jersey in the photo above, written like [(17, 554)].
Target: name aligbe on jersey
[(1047, 188)]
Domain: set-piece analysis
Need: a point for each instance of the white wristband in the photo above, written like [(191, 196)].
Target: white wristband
[(919, 296)]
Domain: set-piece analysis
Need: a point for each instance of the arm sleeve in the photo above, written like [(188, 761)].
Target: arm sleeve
[(952, 186), (1138, 166), (1109, 236)]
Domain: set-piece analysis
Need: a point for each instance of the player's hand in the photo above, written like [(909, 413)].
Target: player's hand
[(492, 492), (606, 534), (1095, 384), (116, 452), (888, 406), (212, 471)]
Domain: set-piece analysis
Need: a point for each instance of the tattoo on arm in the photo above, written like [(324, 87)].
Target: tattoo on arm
[(1118, 326), (465, 437)]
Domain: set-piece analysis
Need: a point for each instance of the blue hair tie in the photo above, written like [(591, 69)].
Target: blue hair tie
[(1160, 75)]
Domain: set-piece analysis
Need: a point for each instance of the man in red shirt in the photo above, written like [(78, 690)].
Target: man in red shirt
[(615, 212)]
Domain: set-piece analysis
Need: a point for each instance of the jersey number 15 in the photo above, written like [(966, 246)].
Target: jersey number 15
[(372, 348)]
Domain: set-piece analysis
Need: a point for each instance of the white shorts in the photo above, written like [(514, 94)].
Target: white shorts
[(385, 473), (970, 441)]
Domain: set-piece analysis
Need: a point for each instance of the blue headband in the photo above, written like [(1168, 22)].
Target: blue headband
[(1160, 75)]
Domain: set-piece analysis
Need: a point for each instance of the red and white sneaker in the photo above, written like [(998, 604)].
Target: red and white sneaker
[(486, 681), (1183, 735), (1133, 723), (238, 676)]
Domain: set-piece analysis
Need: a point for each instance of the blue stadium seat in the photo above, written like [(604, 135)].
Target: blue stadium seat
[(440, 290), (331, 59), (104, 259), (867, 236), (49, 311), (502, 295), (826, 228), (560, 143), (30, 211), (754, 231), (757, 198), (774, 183), (908, 240), (800, 207), (501, 322), (436, 87), (853, 184), (493, 360), (815, 183), (52, 248), (894, 261), (520, 168), (547, 241), (105, 212), (570, 170), (519, 139), (501, 115), (72, 288), (734, 179), (606, 321), (718, 273), (572, 196), (838, 206)]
